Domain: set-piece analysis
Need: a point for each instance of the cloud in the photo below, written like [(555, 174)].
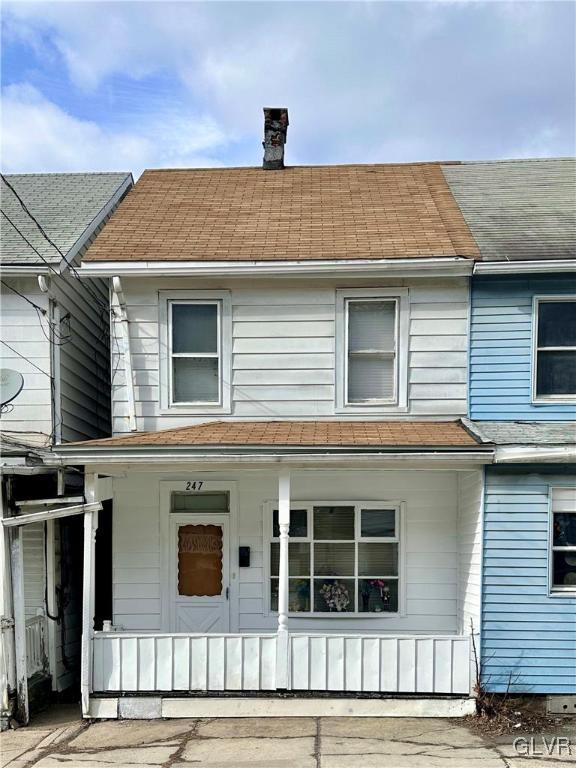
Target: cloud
[(38, 136), (172, 83)]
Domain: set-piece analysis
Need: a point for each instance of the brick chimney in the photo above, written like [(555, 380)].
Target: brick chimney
[(275, 130)]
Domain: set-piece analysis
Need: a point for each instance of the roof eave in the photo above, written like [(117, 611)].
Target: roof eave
[(433, 266), (170, 454), (525, 267)]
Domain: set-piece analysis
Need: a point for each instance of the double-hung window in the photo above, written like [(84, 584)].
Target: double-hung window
[(563, 540), (196, 352), (554, 357), (342, 558), (371, 349)]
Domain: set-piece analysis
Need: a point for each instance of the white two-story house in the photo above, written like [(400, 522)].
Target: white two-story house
[(54, 387), (296, 492)]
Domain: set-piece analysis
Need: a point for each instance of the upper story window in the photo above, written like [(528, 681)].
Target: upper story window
[(563, 540), (554, 376), (371, 349), (196, 351)]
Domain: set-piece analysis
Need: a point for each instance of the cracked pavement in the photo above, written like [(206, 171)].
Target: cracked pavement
[(60, 740)]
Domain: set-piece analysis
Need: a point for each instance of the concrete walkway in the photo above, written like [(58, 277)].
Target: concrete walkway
[(66, 742)]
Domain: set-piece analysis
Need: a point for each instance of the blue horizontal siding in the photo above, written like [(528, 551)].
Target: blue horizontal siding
[(528, 637), (501, 348)]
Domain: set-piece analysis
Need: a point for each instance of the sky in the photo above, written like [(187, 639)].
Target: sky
[(124, 86)]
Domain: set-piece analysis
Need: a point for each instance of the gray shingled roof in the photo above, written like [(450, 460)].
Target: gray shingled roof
[(65, 204), (528, 432), (518, 209)]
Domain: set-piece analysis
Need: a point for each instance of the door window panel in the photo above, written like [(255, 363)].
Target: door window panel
[(200, 560)]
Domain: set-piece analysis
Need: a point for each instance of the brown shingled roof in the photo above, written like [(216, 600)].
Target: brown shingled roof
[(306, 212), (357, 434)]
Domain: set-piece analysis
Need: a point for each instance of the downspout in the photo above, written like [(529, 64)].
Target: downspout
[(120, 317)]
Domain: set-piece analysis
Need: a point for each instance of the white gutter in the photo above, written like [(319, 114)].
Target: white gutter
[(120, 316), (432, 267), (524, 267), (19, 270), (156, 456), (50, 514), (520, 454)]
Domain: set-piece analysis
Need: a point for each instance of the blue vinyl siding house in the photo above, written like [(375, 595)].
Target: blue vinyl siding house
[(522, 398)]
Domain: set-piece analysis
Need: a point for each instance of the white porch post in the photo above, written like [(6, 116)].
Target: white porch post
[(17, 564), (284, 524), (88, 603)]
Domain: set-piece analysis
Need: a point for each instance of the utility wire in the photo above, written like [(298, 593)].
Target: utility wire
[(24, 358), (10, 288)]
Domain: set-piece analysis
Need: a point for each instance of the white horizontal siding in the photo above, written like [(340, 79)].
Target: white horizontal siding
[(283, 344), (24, 331)]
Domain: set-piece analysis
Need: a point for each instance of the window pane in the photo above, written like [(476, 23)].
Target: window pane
[(298, 559), (557, 324), (199, 560), (199, 502), (298, 524), (377, 595), (377, 558), (564, 569), (195, 328), (378, 522), (370, 378), (556, 373), (196, 380), (298, 595), (333, 523), (334, 559), (371, 325), (564, 529), (334, 595)]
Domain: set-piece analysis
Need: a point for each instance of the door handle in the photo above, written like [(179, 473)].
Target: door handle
[(227, 593)]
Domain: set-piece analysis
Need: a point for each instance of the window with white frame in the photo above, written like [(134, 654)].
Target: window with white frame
[(371, 351), (195, 339), (195, 350), (563, 540), (555, 349), (342, 558)]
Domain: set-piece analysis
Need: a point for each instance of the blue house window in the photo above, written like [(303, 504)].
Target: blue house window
[(563, 540), (555, 349)]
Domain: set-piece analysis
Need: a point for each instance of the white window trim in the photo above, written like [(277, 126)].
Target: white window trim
[(399, 539), (557, 591), (222, 298), (400, 401), (545, 399)]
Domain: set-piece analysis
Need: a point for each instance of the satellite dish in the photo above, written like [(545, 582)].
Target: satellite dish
[(11, 383)]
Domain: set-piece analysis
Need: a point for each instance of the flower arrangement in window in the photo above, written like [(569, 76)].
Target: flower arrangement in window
[(335, 596), (382, 590)]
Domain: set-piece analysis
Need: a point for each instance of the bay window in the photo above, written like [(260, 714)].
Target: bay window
[(342, 558)]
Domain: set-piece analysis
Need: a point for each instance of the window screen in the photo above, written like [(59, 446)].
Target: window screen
[(195, 352), (371, 350)]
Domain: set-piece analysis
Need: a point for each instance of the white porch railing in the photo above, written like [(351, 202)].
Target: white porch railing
[(36, 649), (356, 663)]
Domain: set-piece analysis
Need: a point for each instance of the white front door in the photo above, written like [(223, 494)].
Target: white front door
[(199, 577)]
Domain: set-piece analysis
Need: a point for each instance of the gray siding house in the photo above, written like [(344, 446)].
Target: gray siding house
[(55, 335)]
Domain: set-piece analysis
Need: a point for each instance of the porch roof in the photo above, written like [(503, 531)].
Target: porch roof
[(299, 434)]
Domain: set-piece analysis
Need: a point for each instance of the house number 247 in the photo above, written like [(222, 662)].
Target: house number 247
[(194, 485)]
